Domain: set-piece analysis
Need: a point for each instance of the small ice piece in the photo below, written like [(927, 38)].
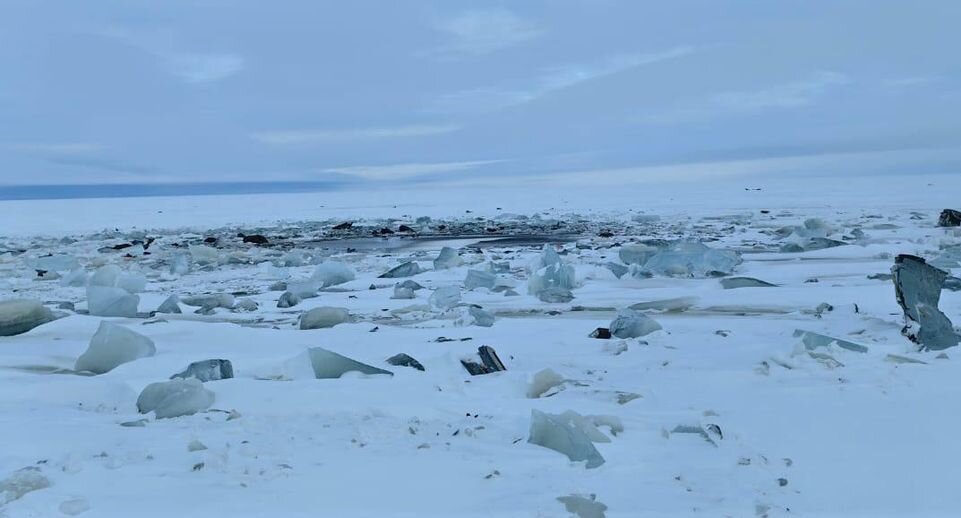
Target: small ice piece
[(813, 341), (333, 273), (323, 317), (917, 288), (692, 259), (495, 267), (479, 279), (632, 324), (207, 370), (328, 364), (111, 302), (408, 269), (196, 445), (287, 300), (733, 283), (175, 398), (481, 318), (75, 279), (447, 259), (304, 289), (180, 264), (55, 263), (74, 506), (555, 296), (113, 345), (583, 506), (215, 300), (559, 434), (405, 360), (204, 255), (445, 297), (132, 282), (21, 482), (20, 316), (170, 305), (636, 254), (544, 381)]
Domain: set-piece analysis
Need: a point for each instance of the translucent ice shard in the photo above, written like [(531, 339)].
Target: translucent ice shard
[(631, 324), (328, 364), (447, 258), (813, 341), (111, 302), (559, 434), (917, 287), (692, 259), (445, 297), (113, 345), (479, 279), (333, 273)]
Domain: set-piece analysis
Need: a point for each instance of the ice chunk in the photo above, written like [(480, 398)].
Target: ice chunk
[(733, 283), (323, 317), (111, 302), (631, 324), (328, 364), (550, 272), (668, 305), (555, 296), (204, 255), (21, 482), (479, 279), (288, 300), (74, 506), (813, 341), (544, 381), (445, 297), (304, 289), (207, 370), (170, 305), (616, 268), (332, 273), (175, 398), (246, 305), (408, 269), (409, 284), (295, 257), (481, 318), (20, 316), (113, 345), (405, 360), (215, 300), (132, 282), (636, 254), (918, 290), (559, 434), (180, 264), (402, 293), (692, 259), (447, 258), (106, 276), (55, 263), (75, 279), (583, 506)]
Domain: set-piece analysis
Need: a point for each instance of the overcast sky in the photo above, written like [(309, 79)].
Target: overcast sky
[(135, 91)]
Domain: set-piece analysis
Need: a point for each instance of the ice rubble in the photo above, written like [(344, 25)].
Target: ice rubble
[(479, 279), (408, 269), (445, 297), (113, 345), (20, 316), (561, 434), (917, 287), (174, 398), (447, 258), (632, 324), (328, 364), (21, 482), (332, 273), (691, 259), (111, 302), (207, 370), (323, 317), (112, 276)]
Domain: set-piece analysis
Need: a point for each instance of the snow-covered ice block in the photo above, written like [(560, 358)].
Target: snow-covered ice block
[(544, 381), (328, 364), (445, 297), (175, 398), (216, 300), (21, 482), (402, 293), (408, 269), (20, 316), (636, 254), (479, 279), (480, 317), (288, 300), (333, 273), (304, 289), (447, 258), (111, 302), (561, 435), (555, 296), (632, 324), (323, 317), (113, 345), (207, 370)]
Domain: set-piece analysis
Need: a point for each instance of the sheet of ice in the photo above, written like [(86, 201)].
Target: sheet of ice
[(113, 345)]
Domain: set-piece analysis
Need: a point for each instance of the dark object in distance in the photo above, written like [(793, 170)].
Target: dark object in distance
[(601, 332), (950, 218)]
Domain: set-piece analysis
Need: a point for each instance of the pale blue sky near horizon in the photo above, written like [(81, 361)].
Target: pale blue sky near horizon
[(139, 92)]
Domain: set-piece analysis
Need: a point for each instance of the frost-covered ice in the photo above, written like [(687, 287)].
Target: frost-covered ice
[(175, 398), (323, 317), (111, 302)]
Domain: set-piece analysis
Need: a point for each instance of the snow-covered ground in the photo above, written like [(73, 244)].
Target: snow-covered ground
[(826, 432)]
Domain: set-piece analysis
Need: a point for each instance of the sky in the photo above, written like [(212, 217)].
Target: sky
[(421, 91)]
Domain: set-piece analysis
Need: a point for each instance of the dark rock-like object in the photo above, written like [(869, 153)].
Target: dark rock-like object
[(489, 362), (207, 370), (405, 360), (602, 333), (917, 286), (343, 226), (255, 239), (950, 218)]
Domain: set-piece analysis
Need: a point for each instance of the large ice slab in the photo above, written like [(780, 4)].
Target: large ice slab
[(328, 364), (917, 286), (111, 302), (561, 435), (447, 258), (20, 316), (550, 272), (175, 398), (479, 279), (333, 273), (692, 259), (445, 297), (113, 345)]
